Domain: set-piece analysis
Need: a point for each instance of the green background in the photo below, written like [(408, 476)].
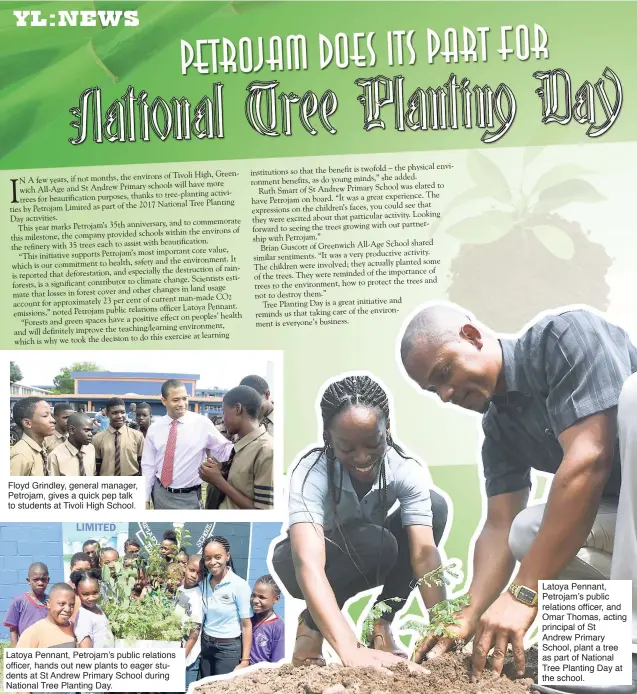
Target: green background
[(43, 72)]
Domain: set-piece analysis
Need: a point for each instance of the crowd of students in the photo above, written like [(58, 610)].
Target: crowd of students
[(228, 625), (175, 453)]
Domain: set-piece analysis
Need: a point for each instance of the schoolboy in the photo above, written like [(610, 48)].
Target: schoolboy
[(143, 417), (56, 630), (118, 449), (92, 548), (190, 600), (61, 413), (76, 456), (29, 456), (249, 482), (169, 546), (29, 607), (108, 562), (81, 561), (109, 557), (266, 414), (132, 546)]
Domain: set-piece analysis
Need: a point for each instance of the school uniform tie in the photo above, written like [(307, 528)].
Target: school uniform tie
[(118, 470), (169, 456), (45, 461), (80, 460)]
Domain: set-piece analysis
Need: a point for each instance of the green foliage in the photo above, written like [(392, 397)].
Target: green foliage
[(442, 617), (64, 382), (154, 616), (373, 616), (444, 575), (15, 374)]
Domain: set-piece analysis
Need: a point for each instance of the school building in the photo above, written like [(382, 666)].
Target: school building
[(21, 544), (93, 388)]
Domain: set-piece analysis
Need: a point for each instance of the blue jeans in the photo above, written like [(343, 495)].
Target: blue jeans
[(219, 657), (192, 672)]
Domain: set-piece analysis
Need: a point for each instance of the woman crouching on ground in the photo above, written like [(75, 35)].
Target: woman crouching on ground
[(342, 539)]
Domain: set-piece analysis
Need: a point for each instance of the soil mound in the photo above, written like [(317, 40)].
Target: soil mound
[(450, 674)]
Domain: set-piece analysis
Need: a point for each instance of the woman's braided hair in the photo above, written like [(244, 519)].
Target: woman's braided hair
[(213, 539), (352, 391)]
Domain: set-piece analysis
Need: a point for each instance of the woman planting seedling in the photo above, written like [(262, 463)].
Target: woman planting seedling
[(342, 539), (442, 616)]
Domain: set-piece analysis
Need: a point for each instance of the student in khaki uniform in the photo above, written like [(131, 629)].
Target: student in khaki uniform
[(118, 449), (266, 415), (29, 456), (61, 413), (246, 481), (76, 456), (143, 417)]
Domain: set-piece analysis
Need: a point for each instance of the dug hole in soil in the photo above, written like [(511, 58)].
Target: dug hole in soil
[(449, 674)]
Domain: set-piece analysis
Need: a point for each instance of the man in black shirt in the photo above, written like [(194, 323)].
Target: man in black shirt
[(549, 400)]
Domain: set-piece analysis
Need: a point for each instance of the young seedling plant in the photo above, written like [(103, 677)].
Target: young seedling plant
[(442, 616)]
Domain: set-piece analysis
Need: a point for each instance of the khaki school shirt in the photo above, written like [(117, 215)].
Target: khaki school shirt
[(26, 458), (64, 462), (131, 447), (268, 423), (53, 441), (252, 469)]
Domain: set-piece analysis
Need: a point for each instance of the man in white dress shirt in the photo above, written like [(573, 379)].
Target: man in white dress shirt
[(175, 447)]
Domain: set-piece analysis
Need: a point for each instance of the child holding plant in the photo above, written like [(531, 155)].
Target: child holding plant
[(190, 599), (268, 632), (91, 624), (342, 538)]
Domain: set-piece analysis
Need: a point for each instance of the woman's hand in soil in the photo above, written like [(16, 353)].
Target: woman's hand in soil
[(242, 664), (505, 622), (435, 646), (380, 660)]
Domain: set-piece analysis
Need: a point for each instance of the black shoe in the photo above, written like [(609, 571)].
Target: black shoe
[(583, 689)]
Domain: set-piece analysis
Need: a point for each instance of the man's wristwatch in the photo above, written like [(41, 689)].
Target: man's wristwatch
[(523, 594)]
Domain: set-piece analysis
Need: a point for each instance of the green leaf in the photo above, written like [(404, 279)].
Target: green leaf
[(558, 174), (573, 190), (488, 177), (555, 240), (484, 228)]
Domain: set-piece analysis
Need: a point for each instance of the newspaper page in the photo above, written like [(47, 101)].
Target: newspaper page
[(321, 333)]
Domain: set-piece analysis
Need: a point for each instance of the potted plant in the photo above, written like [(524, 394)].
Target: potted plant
[(152, 617)]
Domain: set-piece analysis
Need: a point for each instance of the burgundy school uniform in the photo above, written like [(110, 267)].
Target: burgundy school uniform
[(25, 611), (268, 641)]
